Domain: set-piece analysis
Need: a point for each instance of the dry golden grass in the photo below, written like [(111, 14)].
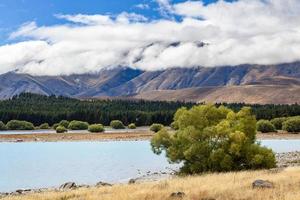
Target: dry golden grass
[(227, 186)]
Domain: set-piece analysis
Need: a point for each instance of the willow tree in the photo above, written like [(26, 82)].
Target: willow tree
[(213, 139)]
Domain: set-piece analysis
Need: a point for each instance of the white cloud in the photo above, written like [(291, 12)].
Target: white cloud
[(142, 6), (245, 31), (86, 19), (164, 7)]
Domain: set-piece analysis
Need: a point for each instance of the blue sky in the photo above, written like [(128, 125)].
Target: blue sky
[(14, 13)]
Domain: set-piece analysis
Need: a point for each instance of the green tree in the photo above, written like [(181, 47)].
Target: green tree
[(2, 126), (19, 125), (64, 123), (96, 128), (61, 129), (55, 126), (117, 124), (132, 126), (78, 125), (213, 139), (156, 127), (265, 126), (292, 125), (277, 122), (44, 126)]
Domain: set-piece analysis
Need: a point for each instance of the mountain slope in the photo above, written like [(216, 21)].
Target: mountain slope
[(245, 83), (251, 94)]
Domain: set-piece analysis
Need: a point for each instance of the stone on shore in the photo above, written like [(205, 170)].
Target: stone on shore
[(103, 184), (68, 186), (179, 195), (262, 184), (132, 181)]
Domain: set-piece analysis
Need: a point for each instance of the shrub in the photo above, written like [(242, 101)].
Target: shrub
[(156, 127), (265, 126), (64, 123), (213, 139), (292, 125), (44, 126), (117, 124), (96, 128), (19, 125), (2, 126), (132, 126), (277, 122), (78, 125), (174, 126), (54, 126), (61, 129)]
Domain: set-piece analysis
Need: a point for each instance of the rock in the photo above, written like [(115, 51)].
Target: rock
[(208, 199), (2, 195), (103, 184), (83, 186), (22, 191), (68, 186), (132, 181), (177, 195), (262, 184)]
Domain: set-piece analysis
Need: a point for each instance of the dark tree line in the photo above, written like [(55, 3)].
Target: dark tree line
[(39, 109)]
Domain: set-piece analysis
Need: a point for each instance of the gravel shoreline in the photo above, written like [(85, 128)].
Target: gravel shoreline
[(289, 159)]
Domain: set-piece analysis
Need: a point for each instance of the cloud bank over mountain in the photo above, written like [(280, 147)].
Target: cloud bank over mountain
[(189, 34)]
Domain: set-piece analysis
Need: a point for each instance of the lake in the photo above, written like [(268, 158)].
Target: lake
[(38, 165)]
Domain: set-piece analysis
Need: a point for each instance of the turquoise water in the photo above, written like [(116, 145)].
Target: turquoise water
[(281, 146), (38, 165)]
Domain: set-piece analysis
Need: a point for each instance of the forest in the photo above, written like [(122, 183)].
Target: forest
[(40, 109)]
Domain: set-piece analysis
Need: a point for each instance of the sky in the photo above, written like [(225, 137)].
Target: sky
[(53, 37)]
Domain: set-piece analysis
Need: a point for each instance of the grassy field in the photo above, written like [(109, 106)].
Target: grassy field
[(227, 186)]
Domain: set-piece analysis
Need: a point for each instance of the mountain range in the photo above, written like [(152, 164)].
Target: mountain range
[(278, 84)]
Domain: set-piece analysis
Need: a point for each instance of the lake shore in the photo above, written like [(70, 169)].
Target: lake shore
[(56, 137), (115, 136), (278, 184)]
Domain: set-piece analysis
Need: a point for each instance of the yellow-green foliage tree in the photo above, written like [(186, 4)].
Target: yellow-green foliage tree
[(213, 139)]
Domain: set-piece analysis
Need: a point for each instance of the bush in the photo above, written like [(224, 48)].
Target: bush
[(292, 125), (174, 126), (265, 126), (156, 127), (2, 126), (213, 139), (19, 125), (96, 128), (44, 126), (132, 126), (277, 122), (61, 129), (55, 126), (117, 124), (78, 125), (64, 123)]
